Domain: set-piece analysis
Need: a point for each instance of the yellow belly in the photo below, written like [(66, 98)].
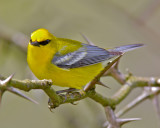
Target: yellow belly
[(73, 78), (76, 77), (40, 64)]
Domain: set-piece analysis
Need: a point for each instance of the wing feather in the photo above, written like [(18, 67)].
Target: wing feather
[(84, 56)]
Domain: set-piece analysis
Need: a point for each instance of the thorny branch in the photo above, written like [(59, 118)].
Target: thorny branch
[(113, 121), (45, 85), (129, 82), (147, 93)]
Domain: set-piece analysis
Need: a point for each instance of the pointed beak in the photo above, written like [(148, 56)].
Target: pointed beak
[(35, 43)]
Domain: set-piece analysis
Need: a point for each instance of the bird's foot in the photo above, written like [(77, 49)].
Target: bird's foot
[(70, 90)]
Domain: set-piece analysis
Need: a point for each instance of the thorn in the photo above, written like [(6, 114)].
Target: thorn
[(6, 81), (156, 105), (127, 120), (102, 84), (117, 63), (88, 41), (17, 92), (1, 94)]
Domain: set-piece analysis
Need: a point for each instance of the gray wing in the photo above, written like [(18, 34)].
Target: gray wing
[(84, 56), (125, 48)]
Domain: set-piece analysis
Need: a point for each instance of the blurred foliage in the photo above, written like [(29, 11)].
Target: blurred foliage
[(107, 23)]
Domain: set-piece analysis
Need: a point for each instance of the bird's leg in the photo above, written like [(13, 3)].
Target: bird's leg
[(68, 93)]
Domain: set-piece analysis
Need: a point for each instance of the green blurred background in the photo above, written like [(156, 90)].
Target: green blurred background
[(107, 23)]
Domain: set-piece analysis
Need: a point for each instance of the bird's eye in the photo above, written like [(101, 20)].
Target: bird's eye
[(44, 42)]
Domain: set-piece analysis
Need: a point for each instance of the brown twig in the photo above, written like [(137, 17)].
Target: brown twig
[(113, 121), (1, 93), (116, 74), (147, 93), (156, 105)]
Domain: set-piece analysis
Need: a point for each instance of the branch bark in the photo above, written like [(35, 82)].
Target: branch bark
[(45, 85)]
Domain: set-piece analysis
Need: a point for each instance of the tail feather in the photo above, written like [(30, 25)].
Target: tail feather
[(125, 48)]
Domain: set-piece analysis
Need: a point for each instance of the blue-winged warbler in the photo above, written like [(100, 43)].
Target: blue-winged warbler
[(68, 63)]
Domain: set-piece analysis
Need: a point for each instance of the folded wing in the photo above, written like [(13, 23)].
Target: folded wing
[(84, 56)]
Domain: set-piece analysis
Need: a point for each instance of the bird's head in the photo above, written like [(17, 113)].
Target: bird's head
[(41, 37)]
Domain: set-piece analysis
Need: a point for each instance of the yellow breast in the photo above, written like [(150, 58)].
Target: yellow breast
[(40, 63)]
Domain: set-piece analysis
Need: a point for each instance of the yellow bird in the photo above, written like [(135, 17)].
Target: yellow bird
[(68, 63)]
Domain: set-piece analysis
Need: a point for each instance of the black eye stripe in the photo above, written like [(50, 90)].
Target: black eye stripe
[(35, 43), (44, 42)]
